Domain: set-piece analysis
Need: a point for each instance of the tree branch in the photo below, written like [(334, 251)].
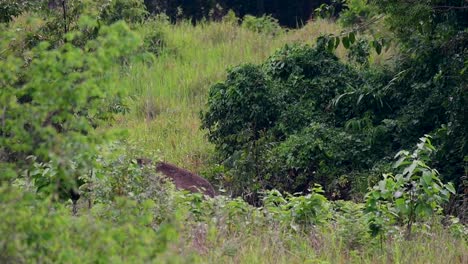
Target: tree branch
[(450, 7)]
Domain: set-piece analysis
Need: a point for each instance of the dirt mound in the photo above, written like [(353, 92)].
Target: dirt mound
[(183, 179)]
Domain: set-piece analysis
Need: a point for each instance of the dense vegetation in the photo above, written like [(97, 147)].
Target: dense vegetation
[(343, 141), (303, 116)]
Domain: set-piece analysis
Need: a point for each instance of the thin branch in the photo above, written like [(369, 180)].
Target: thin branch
[(64, 6), (450, 7)]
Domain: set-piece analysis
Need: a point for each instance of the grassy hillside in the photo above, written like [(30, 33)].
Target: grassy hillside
[(168, 95), (164, 123), (129, 214)]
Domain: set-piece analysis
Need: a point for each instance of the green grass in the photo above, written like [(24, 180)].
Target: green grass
[(169, 95), (166, 99), (324, 245)]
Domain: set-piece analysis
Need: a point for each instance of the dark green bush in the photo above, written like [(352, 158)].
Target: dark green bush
[(240, 109), (13, 8), (278, 128), (317, 154), (132, 11), (326, 122)]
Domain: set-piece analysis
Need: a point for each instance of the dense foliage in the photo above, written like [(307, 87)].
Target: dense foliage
[(407, 197), (291, 133), (51, 120), (432, 82), (287, 117), (326, 122)]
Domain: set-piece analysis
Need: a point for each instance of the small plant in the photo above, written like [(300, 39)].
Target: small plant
[(413, 195), (230, 18), (264, 24), (299, 211), (350, 223)]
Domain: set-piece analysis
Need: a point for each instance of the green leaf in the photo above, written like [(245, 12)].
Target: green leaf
[(424, 209), (382, 186), (450, 188), (337, 42), (346, 42), (427, 178), (331, 44), (408, 171), (377, 46), (399, 162), (400, 204), (352, 37)]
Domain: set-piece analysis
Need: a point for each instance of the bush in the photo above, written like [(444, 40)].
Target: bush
[(356, 12), (239, 109), (351, 224), (298, 211), (414, 195), (13, 8), (318, 154), (123, 232), (52, 106), (264, 122), (131, 11), (265, 24), (117, 174)]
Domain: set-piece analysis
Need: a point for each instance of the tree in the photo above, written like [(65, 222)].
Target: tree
[(51, 107)]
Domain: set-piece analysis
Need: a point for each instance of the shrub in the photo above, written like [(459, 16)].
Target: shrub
[(359, 52), (51, 107), (351, 224), (230, 18), (41, 231), (265, 24), (153, 32), (318, 154), (298, 211), (264, 120), (131, 11), (356, 12), (240, 109), (13, 8), (411, 196)]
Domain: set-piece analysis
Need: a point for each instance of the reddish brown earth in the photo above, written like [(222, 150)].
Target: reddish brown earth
[(182, 179)]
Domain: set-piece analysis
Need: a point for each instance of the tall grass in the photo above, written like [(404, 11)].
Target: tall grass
[(324, 245), (166, 99), (169, 94)]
